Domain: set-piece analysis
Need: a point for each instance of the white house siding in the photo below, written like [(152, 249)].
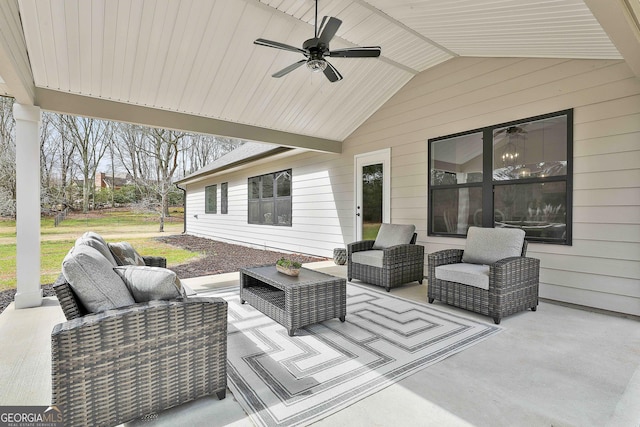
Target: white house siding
[(321, 189), (602, 267)]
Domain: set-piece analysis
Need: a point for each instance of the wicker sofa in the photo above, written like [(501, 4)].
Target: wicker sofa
[(491, 276), (391, 260), (123, 363)]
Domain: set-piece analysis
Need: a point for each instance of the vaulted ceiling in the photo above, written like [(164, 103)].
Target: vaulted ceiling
[(192, 64)]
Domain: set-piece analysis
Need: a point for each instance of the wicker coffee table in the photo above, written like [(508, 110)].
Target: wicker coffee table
[(294, 302)]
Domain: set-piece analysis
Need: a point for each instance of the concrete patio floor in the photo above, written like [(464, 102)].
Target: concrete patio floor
[(559, 366)]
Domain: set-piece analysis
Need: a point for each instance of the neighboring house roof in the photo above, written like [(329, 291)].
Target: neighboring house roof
[(246, 153)]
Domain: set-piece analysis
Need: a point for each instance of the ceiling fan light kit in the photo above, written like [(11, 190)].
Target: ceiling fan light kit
[(316, 65), (317, 48)]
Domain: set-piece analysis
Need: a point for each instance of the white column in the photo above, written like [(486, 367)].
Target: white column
[(29, 293)]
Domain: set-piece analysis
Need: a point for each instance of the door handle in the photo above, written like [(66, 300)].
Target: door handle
[(358, 214)]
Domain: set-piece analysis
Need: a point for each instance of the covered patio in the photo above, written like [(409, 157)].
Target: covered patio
[(562, 365), (446, 68)]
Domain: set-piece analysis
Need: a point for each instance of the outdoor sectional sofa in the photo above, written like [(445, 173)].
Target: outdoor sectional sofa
[(118, 358)]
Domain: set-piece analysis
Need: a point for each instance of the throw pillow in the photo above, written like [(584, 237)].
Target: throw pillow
[(125, 254), (150, 283), (93, 280), (489, 245), (393, 234), (99, 245), (94, 235)]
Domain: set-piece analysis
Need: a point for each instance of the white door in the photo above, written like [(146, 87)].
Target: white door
[(373, 193)]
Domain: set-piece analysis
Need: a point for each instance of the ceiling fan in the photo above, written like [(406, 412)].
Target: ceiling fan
[(317, 48)]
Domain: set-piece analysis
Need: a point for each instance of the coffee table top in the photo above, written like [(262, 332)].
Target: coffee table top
[(269, 274)]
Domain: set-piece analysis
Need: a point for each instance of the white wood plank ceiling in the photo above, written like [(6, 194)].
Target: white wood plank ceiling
[(197, 56)]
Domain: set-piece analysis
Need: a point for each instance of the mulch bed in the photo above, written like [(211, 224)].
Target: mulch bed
[(217, 258)]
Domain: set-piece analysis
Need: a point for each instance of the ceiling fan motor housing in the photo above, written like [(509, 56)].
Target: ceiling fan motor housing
[(316, 48)]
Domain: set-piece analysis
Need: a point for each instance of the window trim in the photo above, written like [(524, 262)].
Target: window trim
[(488, 184), (274, 198), (207, 189)]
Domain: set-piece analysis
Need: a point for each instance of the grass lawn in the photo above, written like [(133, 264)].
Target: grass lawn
[(117, 225), (370, 230)]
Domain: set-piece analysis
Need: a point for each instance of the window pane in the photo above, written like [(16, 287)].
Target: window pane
[(283, 180), (372, 180), (537, 208), (457, 160), (456, 209), (266, 207), (535, 149), (224, 203), (267, 186), (283, 211), (210, 195), (254, 212), (254, 187)]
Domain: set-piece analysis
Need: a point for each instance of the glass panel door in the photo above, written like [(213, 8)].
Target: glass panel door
[(372, 193), (372, 176)]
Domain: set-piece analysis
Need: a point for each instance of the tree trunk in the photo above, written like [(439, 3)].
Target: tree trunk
[(165, 206), (85, 197)]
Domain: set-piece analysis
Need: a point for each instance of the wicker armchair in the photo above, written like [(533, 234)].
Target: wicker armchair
[(399, 264), (118, 365), (512, 281)]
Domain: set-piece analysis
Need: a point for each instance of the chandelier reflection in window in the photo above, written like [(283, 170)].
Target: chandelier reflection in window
[(512, 152)]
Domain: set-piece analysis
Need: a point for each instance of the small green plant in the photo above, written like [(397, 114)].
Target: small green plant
[(287, 263)]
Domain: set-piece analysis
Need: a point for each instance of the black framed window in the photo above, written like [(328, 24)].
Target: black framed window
[(516, 174), (211, 198), (224, 198), (270, 199)]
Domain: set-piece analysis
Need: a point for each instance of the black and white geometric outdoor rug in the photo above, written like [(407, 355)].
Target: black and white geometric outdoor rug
[(295, 381)]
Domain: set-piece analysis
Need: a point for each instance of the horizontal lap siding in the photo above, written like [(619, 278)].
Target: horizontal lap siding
[(320, 196), (602, 267)]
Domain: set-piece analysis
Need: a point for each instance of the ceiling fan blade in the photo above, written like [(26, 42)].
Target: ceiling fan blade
[(278, 45), (332, 74), (328, 29), (357, 52), (289, 69)]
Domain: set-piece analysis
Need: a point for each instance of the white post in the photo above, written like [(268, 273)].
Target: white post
[(29, 292)]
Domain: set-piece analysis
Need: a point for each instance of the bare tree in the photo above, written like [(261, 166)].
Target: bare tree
[(7, 158), (129, 144), (163, 150), (203, 149), (71, 145), (90, 138), (66, 153)]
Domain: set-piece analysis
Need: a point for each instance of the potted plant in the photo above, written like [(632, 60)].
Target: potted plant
[(288, 267)]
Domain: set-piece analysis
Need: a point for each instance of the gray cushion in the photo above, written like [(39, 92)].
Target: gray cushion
[(94, 235), (150, 283), (489, 245), (393, 234), (93, 280), (469, 274), (99, 245), (372, 258), (124, 254)]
